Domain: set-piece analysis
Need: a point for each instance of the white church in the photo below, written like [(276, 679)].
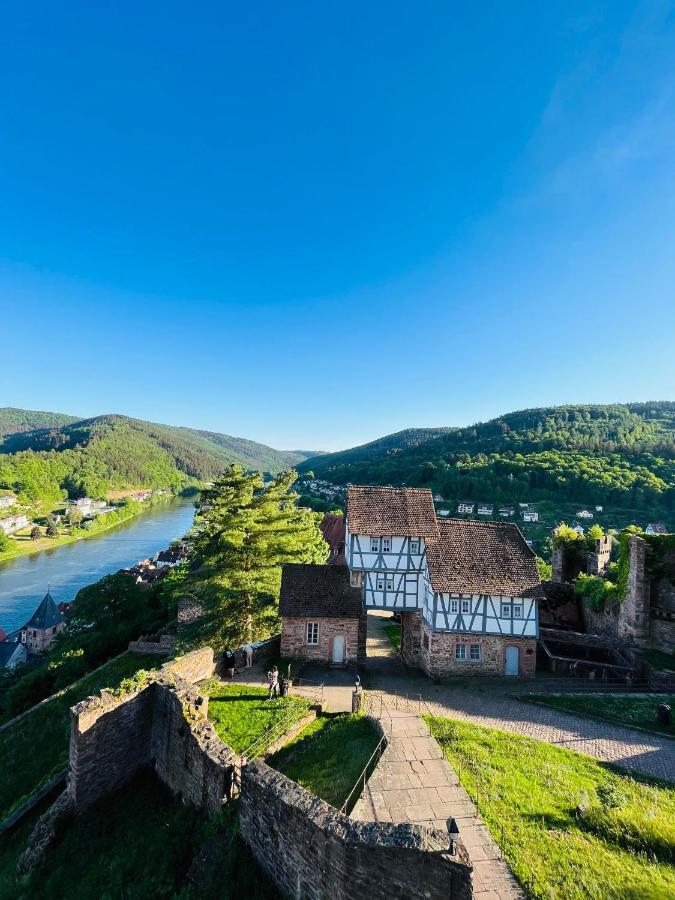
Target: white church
[(467, 591)]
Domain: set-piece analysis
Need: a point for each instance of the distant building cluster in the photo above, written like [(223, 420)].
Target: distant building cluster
[(325, 490)]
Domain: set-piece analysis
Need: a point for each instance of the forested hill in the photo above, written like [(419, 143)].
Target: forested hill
[(93, 456), (14, 420), (619, 454)]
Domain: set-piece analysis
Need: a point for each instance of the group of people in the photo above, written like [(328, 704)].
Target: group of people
[(278, 684)]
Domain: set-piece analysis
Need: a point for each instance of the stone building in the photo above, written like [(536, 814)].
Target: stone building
[(42, 627), (322, 615), (467, 591)]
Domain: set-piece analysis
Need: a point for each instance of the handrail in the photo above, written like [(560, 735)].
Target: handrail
[(377, 751)]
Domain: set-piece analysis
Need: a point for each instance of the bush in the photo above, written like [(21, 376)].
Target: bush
[(595, 590)]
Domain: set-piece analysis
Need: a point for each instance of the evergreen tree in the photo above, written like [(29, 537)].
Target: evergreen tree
[(35, 533), (243, 534), (52, 530)]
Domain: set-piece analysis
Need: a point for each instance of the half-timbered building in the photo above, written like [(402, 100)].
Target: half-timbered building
[(467, 591)]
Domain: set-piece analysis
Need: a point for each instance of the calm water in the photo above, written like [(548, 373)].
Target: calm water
[(24, 581)]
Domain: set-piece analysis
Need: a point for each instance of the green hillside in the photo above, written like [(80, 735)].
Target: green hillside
[(112, 452), (14, 420), (621, 454)]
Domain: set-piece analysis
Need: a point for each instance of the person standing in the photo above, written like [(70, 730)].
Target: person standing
[(248, 655), (229, 662), (273, 681)]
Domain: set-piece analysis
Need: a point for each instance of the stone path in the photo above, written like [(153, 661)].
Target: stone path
[(413, 782)]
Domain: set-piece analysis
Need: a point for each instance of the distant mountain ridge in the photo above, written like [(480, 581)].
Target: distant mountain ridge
[(614, 453), (114, 451)]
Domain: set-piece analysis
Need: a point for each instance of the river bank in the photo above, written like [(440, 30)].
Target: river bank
[(72, 565), (69, 534)]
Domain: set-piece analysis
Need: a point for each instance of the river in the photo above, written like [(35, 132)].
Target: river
[(66, 569)]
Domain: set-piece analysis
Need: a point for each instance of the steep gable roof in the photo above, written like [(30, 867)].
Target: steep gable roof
[(46, 615), (482, 558), (322, 591), (391, 512)]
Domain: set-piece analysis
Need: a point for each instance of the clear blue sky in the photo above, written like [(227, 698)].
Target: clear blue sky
[(315, 223)]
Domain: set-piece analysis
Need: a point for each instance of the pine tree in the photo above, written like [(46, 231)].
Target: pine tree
[(243, 534)]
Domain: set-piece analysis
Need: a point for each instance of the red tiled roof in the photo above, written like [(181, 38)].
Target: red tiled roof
[(482, 558), (391, 512), (333, 531)]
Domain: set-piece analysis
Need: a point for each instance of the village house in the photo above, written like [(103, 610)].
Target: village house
[(43, 626), (7, 500), (438, 498), (598, 508), (656, 528), (467, 591), (530, 515), (578, 528), (584, 514), (485, 509), (465, 508), (506, 511), (14, 523), (333, 531), (322, 615)]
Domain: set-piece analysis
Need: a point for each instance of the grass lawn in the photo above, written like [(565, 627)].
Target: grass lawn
[(241, 714), (624, 708), (329, 755), (37, 746), (138, 843), (621, 846), (393, 631)]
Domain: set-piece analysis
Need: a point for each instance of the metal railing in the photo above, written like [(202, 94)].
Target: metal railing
[(368, 769)]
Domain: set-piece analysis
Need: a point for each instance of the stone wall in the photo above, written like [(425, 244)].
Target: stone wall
[(310, 850), (437, 655), (566, 563), (294, 638), (411, 637), (162, 646), (162, 725), (634, 613), (598, 559)]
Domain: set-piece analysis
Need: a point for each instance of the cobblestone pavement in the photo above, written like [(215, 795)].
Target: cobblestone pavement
[(490, 702), (413, 782)]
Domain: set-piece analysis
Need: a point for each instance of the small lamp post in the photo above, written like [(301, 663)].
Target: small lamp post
[(453, 831)]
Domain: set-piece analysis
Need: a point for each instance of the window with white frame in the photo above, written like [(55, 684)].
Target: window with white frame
[(474, 652), (386, 545), (454, 607), (374, 545), (506, 611), (460, 652), (312, 632), (414, 545), (379, 582), (517, 610), (466, 606), (390, 582)]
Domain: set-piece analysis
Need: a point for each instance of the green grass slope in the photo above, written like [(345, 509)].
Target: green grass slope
[(621, 454)]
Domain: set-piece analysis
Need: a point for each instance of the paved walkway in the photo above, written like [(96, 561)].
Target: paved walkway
[(413, 782)]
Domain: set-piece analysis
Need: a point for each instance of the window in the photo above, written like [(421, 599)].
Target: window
[(379, 583), (466, 606), (374, 545), (460, 652), (312, 632), (474, 652), (414, 546), (390, 582), (517, 611), (506, 611), (454, 606), (386, 545)]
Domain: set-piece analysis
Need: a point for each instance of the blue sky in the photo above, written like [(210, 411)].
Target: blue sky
[(313, 224)]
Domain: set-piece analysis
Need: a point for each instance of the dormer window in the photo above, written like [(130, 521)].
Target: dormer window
[(386, 545), (414, 545)]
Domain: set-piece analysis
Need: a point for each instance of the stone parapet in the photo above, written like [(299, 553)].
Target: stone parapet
[(310, 850)]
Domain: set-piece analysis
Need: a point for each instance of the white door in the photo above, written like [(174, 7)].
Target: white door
[(511, 666), (338, 648)]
